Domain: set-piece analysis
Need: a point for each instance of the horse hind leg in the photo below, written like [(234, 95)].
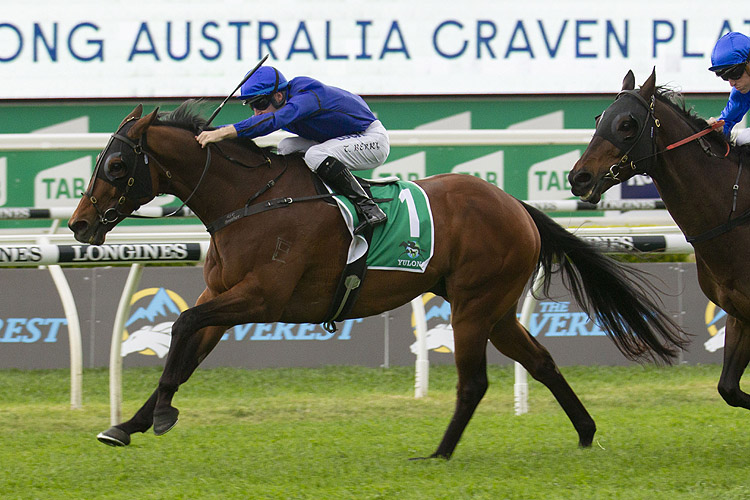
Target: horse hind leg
[(513, 340), (736, 358)]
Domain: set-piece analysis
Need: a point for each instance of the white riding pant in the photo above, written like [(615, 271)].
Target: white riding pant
[(741, 136), (362, 151)]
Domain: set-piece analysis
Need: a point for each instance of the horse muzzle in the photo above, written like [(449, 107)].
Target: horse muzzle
[(87, 232), (589, 186)]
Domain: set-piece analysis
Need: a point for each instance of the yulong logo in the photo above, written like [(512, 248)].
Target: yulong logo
[(411, 249), (151, 322)]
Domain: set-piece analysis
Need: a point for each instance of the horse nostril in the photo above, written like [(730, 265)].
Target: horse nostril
[(582, 178), (79, 226)]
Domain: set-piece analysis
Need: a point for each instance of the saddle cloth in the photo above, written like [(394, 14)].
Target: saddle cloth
[(405, 242)]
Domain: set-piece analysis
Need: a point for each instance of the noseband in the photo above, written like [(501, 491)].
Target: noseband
[(644, 146)]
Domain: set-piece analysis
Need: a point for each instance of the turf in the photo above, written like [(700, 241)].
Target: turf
[(344, 432)]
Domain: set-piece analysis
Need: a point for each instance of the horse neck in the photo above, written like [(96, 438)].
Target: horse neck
[(695, 187), (225, 186)]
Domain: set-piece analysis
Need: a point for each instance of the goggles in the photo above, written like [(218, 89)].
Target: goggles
[(733, 72), (259, 103)]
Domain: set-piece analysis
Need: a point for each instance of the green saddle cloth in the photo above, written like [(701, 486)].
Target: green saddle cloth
[(405, 242)]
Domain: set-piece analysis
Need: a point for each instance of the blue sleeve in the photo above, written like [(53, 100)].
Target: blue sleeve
[(737, 106), (299, 106)]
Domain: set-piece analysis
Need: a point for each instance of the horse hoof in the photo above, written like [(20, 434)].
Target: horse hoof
[(165, 419), (114, 437)]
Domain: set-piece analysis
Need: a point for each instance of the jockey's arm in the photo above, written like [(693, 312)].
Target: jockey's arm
[(219, 134)]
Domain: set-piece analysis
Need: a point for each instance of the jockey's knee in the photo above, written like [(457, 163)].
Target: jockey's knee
[(314, 157)]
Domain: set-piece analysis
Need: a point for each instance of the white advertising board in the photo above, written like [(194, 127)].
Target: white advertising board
[(181, 48)]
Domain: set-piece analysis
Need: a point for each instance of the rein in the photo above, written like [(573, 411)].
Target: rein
[(698, 135)]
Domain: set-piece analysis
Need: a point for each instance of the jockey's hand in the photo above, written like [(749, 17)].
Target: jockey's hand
[(711, 120), (209, 136)]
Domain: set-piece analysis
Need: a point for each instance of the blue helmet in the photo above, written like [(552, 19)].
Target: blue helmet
[(266, 80), (731, 49)]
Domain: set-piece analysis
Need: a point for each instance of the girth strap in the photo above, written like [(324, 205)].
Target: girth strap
[(717, 231), (744, 218)]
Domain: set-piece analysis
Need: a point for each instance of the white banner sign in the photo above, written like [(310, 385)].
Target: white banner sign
[(171, 48)]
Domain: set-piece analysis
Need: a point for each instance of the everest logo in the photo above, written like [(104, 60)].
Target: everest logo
[(439, 336), (715, 317), (153, 321)]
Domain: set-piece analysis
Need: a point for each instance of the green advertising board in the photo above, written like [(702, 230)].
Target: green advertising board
[(56, 178)]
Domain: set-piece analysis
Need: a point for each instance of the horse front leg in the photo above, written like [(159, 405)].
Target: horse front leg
[(119, 435), (238, 305), (736, 358)]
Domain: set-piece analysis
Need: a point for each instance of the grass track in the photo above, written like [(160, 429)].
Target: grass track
[(344, 432)]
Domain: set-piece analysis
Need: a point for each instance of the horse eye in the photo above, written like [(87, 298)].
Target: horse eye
[(114, 166), (627, 126)]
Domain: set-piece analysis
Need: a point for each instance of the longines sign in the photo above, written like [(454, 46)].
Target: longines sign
[(16, 255)]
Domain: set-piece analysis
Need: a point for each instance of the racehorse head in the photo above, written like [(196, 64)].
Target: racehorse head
[(122, 181), (624, 143), (158, 154)]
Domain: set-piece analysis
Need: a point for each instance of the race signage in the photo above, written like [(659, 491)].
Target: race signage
[(37, 255), (415, 48)]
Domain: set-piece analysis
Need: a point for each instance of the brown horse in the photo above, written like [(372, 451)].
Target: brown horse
[(487, 246), (701, 184)]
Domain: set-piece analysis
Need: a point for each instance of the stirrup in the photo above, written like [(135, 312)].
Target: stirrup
[(369, 222)]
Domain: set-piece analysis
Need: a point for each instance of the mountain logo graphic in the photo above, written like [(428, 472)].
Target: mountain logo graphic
[(715, 318), (151, 322), (439, 330)]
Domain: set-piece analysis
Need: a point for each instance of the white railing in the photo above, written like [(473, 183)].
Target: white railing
[(502, 137)]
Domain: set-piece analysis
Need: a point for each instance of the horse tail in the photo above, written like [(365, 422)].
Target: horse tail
[(623, 302)]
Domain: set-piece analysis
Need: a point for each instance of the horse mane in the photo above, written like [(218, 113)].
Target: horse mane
[(676, 101), (190, 116)]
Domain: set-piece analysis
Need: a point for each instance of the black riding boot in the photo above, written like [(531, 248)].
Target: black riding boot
[(336, 175)]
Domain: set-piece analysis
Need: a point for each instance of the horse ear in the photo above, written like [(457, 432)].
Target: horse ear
[(628, 83), (649, 86), (141, 125), (136, 113)]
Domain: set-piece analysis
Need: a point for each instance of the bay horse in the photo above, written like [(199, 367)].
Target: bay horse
[(487, 247), (649, 132)]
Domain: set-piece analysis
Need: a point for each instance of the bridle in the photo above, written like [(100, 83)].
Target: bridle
[(127, 184), (136, 181), (644, 149)]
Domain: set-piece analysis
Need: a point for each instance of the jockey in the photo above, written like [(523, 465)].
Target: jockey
[(335, 129), (729, 61)]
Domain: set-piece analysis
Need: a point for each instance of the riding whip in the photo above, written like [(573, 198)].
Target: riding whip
[(216, 112)]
